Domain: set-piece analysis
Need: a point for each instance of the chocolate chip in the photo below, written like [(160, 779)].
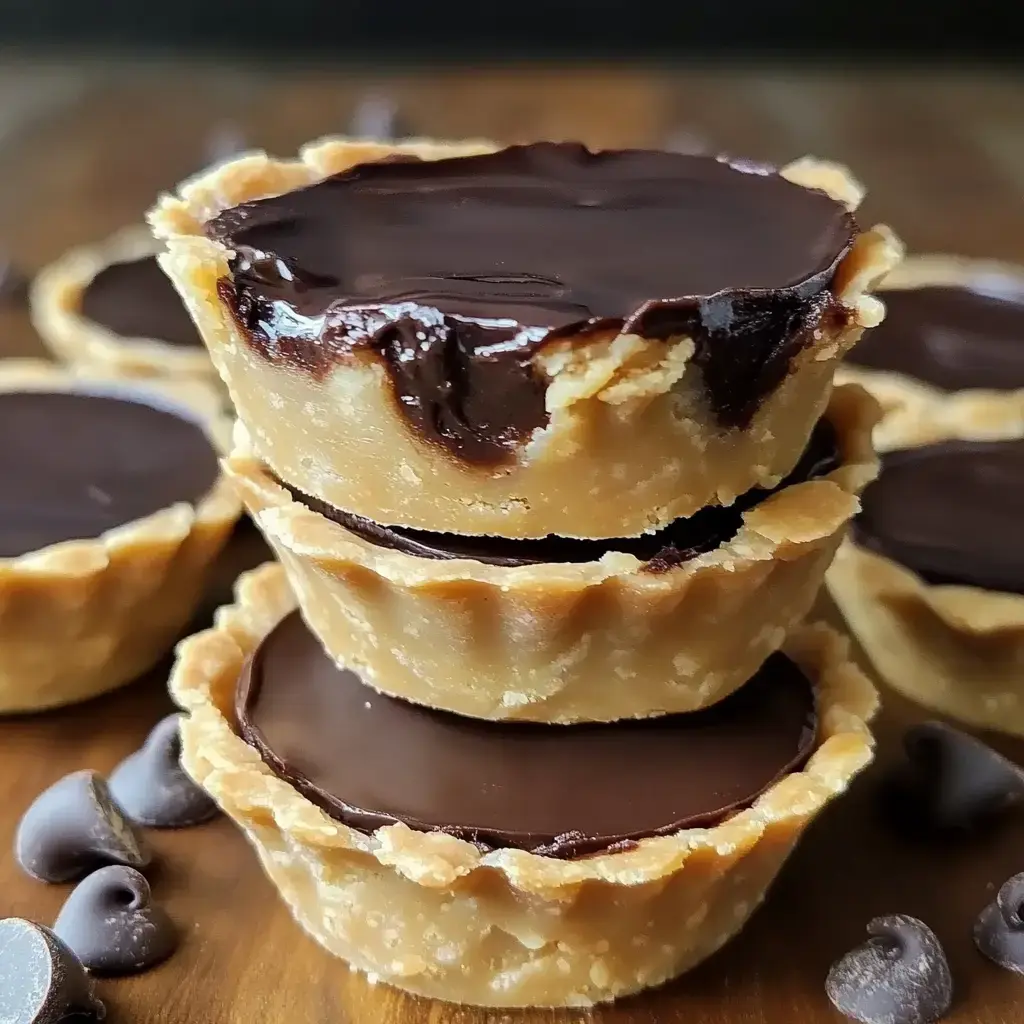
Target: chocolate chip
[(999, 930), (73, 828), (899, 976), (950, 782), (41, 980), (13, 283), (225, 141), (377, 117), (152, 788), (112, 924)]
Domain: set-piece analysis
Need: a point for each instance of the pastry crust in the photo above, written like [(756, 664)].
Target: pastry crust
[(631, 443), (436, 916), (957, 650), (86, 616), (916, 413), (55, 301), (565, 642)]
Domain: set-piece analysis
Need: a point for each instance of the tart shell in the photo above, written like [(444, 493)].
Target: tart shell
[(631, 443), (55, 301), (436, 916), (567, 642), (915, 413), (86, 616)]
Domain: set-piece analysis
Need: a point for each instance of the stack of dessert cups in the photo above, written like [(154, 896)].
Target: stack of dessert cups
[(526, 714)]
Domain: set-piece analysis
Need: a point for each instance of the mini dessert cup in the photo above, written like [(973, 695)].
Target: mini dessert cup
[(630, 442), (437, 916), (86, 615), (567, 641), (919, 411), (58, 300), (937, 602)]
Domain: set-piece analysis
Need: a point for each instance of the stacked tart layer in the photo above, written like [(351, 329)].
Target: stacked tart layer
[(545, 442)]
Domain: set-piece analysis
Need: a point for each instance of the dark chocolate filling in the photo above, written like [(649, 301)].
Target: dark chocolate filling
[(670, 546), (564, 791), (952, 338), (950, 512), (456, 270), (136, 300), (74, 465)]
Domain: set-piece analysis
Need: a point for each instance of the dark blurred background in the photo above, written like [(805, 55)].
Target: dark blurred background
[(421, 33)]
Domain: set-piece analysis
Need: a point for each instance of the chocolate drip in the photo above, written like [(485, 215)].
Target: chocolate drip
[(455, 272)]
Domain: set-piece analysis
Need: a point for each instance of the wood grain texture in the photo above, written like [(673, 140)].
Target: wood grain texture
[(944, 159)]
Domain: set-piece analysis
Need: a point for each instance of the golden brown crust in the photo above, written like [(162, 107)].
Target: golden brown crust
[(435, 915), (564, 642), (630, 445), (954, 649), (86, 616), (55, 301), (916, 413)]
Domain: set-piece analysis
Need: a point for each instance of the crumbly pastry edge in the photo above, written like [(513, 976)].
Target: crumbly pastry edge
[(954, 649), (567, 642), (55, 304), (529, 930), (600, 383), (916, 413), (95, 592)]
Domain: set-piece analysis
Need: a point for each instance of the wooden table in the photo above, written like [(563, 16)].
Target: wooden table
[(84, 150)]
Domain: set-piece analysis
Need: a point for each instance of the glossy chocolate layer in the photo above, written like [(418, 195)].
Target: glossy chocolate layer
[(673, 545), (136, 300), (456, 270), (564, 791), (952, 338), (951, 512), (75, 465)]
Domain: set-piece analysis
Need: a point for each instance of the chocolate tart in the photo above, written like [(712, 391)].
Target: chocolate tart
[(602, 634), (476, 921), (556, 397), (931, 580), (112, 509), (948, 362), (108, 308)]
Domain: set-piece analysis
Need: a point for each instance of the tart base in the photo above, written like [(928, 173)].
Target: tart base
[(435, 916), (631, 443), (55, 302), (567, 642), (80, 618), (956, 650)]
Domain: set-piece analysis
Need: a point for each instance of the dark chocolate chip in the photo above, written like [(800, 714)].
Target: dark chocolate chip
[(999, 930), (13, 283), (899, 976), (225, 141), (112, 924), (73, 828), (377, 117), (41, 980), (950, 782), (152, 788)]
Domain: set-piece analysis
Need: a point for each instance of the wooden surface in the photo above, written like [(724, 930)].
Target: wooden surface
[(83, 150)]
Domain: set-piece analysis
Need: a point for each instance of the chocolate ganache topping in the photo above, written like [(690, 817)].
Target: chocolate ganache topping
[(455, 271), (952, 338), (136, 300), (950, 512), (665, 549), (560, 790), (76, 465)]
